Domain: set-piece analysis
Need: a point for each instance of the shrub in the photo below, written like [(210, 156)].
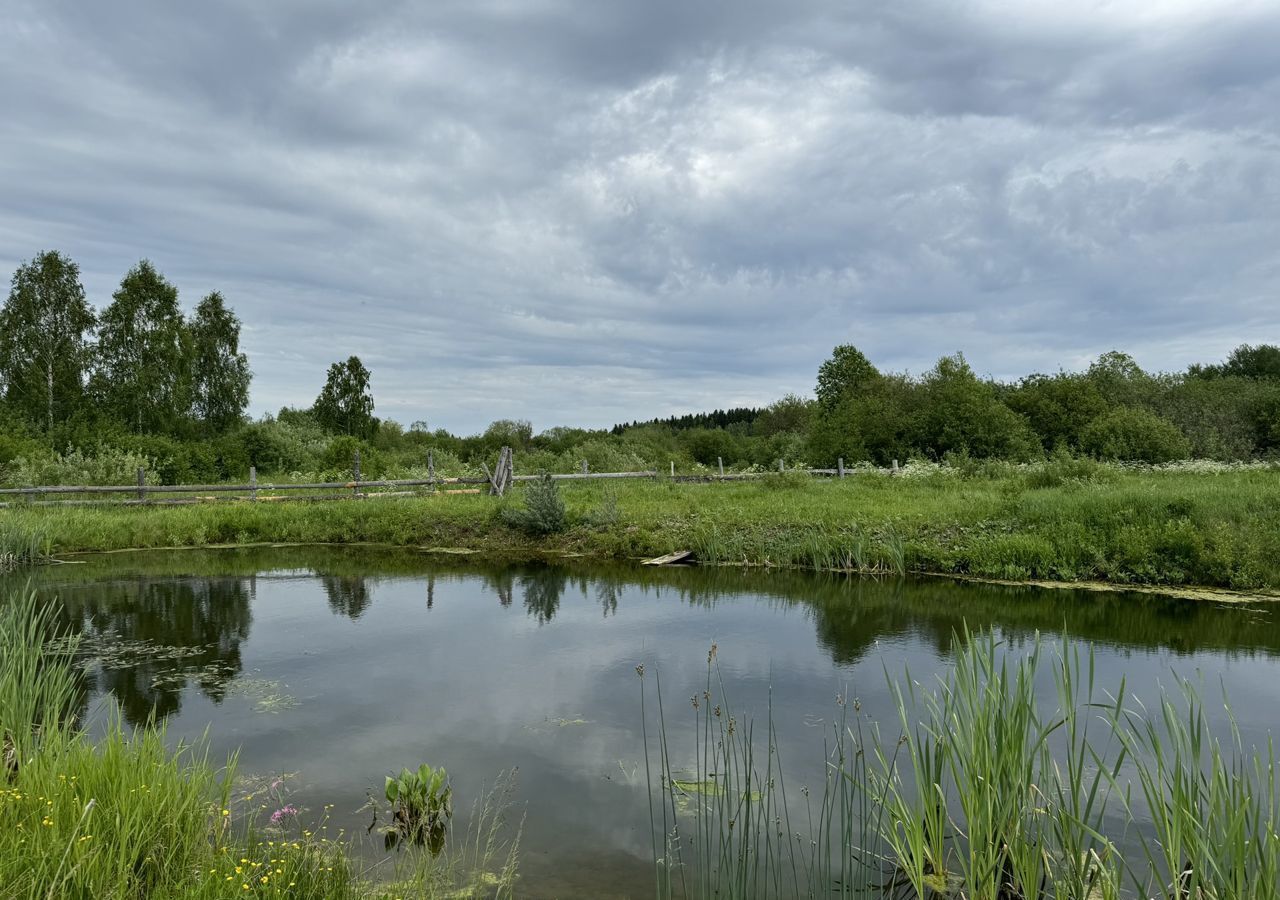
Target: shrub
[(543, 511), (1129, 433)]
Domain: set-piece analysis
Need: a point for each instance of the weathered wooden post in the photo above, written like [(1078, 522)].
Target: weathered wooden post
[(253, 482), (720, 463), (840, 467), (585, 469), (780, 469), (673, 468), (142, 483), (895, 467), (355, 468), (431, 467)]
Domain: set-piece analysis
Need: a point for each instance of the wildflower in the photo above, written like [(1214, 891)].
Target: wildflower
[(282, 813)]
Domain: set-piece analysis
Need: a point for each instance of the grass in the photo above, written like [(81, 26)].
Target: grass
[(22, 545), (1056, 521), (121, 815), (981, 789)]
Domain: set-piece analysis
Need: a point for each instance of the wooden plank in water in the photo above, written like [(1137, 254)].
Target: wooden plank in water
[(670, 559)]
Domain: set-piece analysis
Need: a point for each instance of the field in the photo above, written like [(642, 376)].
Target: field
[(1188, 525)]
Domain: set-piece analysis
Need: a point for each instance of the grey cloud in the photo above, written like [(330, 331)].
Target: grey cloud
[(583, 213)]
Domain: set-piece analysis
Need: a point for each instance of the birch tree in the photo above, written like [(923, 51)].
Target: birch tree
[(45, 350)]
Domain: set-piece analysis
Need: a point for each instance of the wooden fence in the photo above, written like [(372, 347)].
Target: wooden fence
[(497, 482)]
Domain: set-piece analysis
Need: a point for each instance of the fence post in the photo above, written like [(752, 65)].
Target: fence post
[(142, 483), (720, 463), (780, 469), (253, 482), (840, 467), (584, 467), (356, 469), (431, 468), (895, 467), (673, 468)]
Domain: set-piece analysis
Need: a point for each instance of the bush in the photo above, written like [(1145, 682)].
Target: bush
[(339, 457), (1132, 434), (105, 465), (543, 511)]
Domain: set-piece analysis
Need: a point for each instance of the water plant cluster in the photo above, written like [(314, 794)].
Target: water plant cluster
[(976, 787), (119, 814)]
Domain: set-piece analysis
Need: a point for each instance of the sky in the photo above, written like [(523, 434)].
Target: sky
[(580, 213)]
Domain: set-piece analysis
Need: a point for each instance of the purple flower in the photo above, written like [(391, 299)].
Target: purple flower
[(283, 812)]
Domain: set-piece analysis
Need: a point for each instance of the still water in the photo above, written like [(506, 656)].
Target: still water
[(339, 666)]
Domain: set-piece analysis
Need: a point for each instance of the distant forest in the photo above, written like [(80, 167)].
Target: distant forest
[(88, 395)]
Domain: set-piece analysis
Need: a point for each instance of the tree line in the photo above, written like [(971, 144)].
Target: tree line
[(86, 395), (139, 365)]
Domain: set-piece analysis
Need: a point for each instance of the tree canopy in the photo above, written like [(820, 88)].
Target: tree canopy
[(345, 404)]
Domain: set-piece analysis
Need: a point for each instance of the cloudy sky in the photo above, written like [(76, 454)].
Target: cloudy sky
[(580, 211)]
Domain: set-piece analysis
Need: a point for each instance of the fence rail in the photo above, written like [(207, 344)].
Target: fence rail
[(257, 491)]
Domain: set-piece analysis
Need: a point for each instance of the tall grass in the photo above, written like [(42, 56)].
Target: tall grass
[(1064, 521), (978, 790), (23, 545), (119, 816)]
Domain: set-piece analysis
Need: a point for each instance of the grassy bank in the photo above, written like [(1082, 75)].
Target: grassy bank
[(1066, 521), (122, 815)]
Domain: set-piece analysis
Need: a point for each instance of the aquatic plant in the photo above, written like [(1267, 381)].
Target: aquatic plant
[(421, 805), (981, 790)]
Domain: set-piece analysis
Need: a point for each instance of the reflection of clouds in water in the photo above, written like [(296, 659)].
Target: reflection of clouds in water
[(459, 679)]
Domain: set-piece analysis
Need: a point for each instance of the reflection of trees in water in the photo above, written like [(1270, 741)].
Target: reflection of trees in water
[(152, 636), (502, 582), (348, 595), (542, 589), (608, 592)]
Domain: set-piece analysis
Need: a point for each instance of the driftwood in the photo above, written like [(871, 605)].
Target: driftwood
[(670, 559)]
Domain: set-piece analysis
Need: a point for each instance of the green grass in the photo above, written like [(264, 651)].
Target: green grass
[(982, 789), (1121, 525), (22, 545), (121, 815)]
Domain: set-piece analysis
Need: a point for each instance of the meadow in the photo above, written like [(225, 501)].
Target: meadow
[(1072, 520)]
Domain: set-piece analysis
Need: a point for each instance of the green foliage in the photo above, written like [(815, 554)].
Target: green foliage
[(219, 371), (345, 404), (1128, 433), (514, 433), (979, 785), (338, 458), (119, 815), (143, 372), (961, 414), (98, 465), (543, 511), (847, 372), (45, 351), (422, 803)]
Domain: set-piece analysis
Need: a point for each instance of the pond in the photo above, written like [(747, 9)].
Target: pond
[(338, 666)]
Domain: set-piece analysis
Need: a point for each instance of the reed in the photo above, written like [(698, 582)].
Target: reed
[(978, 789)]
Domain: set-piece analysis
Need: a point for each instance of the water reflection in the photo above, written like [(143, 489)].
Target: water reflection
[(395, 659), (154, 634), (148, 637), (348, 595)]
